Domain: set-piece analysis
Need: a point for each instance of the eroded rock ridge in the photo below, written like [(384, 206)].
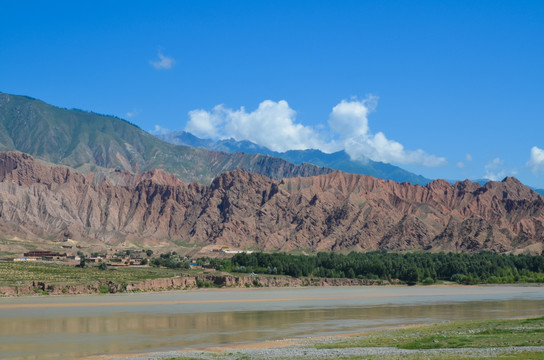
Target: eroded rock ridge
[(336, 211)]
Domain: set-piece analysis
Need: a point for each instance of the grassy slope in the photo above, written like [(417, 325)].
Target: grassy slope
[(90, 141)]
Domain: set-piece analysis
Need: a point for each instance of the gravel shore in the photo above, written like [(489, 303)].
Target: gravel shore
[(304, 349)]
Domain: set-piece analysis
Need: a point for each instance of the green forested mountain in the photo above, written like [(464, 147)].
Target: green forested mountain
[(90, 142)]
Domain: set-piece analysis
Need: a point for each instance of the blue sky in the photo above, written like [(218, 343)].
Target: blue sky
[(445, 89)]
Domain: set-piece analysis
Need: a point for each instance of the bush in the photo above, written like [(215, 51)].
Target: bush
[(428, 281), (203, 284)]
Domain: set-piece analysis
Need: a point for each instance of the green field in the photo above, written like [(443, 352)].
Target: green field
[(15, 273)]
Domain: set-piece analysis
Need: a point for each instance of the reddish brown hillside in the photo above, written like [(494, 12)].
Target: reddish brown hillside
[(336, 211)]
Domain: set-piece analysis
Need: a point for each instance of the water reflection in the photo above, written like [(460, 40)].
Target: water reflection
[(54, 336)]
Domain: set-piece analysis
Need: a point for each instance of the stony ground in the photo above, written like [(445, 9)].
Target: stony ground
[(508, 338), (308, 352)]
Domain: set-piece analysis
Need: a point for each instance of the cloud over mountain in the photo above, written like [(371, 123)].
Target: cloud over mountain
[(349, 119), (273, 125), (536, 161)]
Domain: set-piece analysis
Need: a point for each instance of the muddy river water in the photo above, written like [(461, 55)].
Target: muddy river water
[(68, 327)]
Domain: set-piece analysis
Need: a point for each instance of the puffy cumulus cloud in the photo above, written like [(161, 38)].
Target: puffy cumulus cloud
[(206, 124), (536, 161), (494, 171), (164, 62), (349, 120), (159, 130), (271, 125)]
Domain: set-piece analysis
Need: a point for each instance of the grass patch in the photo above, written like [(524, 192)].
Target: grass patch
[(531, 355), (466, 334)]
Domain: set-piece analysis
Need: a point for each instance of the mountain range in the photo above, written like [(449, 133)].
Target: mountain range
[(91, 142), (338, 161), (71, 174), (330, 212)]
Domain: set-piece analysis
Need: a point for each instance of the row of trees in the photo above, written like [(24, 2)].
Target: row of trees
[(408, 267)]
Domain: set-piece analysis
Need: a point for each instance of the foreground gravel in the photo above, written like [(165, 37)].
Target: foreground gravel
[(304, 352)]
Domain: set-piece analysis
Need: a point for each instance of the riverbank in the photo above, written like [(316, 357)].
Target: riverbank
[(53, 279), (44, 278), (511, 338), (183, 282)]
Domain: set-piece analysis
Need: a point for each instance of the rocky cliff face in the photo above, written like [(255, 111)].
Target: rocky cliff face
[(336, 211)]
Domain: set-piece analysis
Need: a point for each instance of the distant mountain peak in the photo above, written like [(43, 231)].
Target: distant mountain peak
[(339, 160)]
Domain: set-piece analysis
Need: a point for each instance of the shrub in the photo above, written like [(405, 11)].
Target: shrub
[(428, 281)]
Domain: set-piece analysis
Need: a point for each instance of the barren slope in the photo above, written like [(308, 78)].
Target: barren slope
[(337, 211)]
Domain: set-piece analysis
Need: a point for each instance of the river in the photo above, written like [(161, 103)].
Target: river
[(67, 327)]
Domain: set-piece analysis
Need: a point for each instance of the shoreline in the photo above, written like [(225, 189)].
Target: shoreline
[(308, 347), (252, 289), (244, 346)]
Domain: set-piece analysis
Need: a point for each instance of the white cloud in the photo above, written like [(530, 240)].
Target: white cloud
[(536, 161), (206, 124), (164, 62), (494, 171), (159, 130), (273, 125), (131, 114), (349, 119), (462, 165)]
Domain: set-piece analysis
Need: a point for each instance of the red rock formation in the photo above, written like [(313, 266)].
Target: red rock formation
[(337, 211)]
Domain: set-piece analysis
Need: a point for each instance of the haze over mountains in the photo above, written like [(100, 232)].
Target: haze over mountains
[(331, 212)]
